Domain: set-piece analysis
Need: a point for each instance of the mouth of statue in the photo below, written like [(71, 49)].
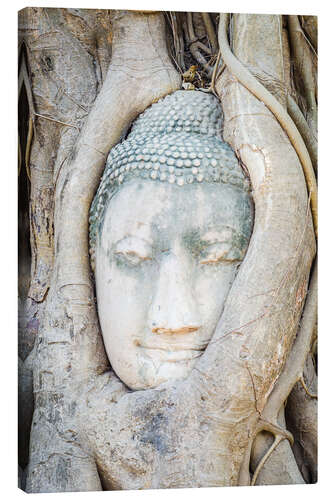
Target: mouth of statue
[(173, 353), (169, 331)]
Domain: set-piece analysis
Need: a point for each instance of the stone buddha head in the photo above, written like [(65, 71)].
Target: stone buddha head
[(169, 227)]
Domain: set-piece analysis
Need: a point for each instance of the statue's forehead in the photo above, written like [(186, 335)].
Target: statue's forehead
[(149, 209)]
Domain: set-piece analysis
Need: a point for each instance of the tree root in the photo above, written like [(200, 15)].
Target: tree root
[(285, 381), (301, 347), (298, 354), (304, 129), (210, 32), (307, 390), (290, 375), (178, 41), (57, 121), (279, 435), (259, 91), (309, 25), (216, 74), (304, 65), (301, 417), (194, 46)]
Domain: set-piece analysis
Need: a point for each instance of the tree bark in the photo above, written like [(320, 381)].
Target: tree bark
[(92, 72), (276, 185), (69, 346)]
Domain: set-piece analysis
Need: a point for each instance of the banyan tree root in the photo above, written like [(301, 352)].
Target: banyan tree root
[(302, 346), (279, 435), (131, 85), (292, 372), (250, 83), (308, 137), (58, 99), (246, 117), (69, 345), (210, 31), (303, 60), (301, 416), (174, 19), (195, 45), (301, 350), (310, 26)]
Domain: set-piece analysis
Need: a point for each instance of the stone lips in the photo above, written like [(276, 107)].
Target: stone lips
[(176, 140)]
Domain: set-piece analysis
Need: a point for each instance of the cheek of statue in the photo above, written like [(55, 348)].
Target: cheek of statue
[(166, 260)]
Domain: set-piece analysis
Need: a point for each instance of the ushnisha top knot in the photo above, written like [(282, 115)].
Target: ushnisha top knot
[(177, 140)]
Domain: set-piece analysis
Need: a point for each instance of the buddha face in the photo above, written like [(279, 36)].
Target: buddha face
[(166, 258)]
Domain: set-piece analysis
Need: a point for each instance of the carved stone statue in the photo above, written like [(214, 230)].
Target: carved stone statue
[(170, 224)]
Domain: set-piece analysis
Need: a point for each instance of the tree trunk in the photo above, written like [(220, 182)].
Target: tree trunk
[(85, 76)]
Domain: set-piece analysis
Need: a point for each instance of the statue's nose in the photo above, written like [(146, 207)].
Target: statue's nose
[(174, 309)]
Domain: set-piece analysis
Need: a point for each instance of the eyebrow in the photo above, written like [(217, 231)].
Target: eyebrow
[(211, 236), (220, 235)]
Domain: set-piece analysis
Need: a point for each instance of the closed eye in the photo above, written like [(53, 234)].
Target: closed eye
[(132, 251), (219, 252), (131, 257)]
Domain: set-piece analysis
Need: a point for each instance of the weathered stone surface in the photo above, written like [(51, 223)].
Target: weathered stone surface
[(177, 141), (167, 258), (168, 252)]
